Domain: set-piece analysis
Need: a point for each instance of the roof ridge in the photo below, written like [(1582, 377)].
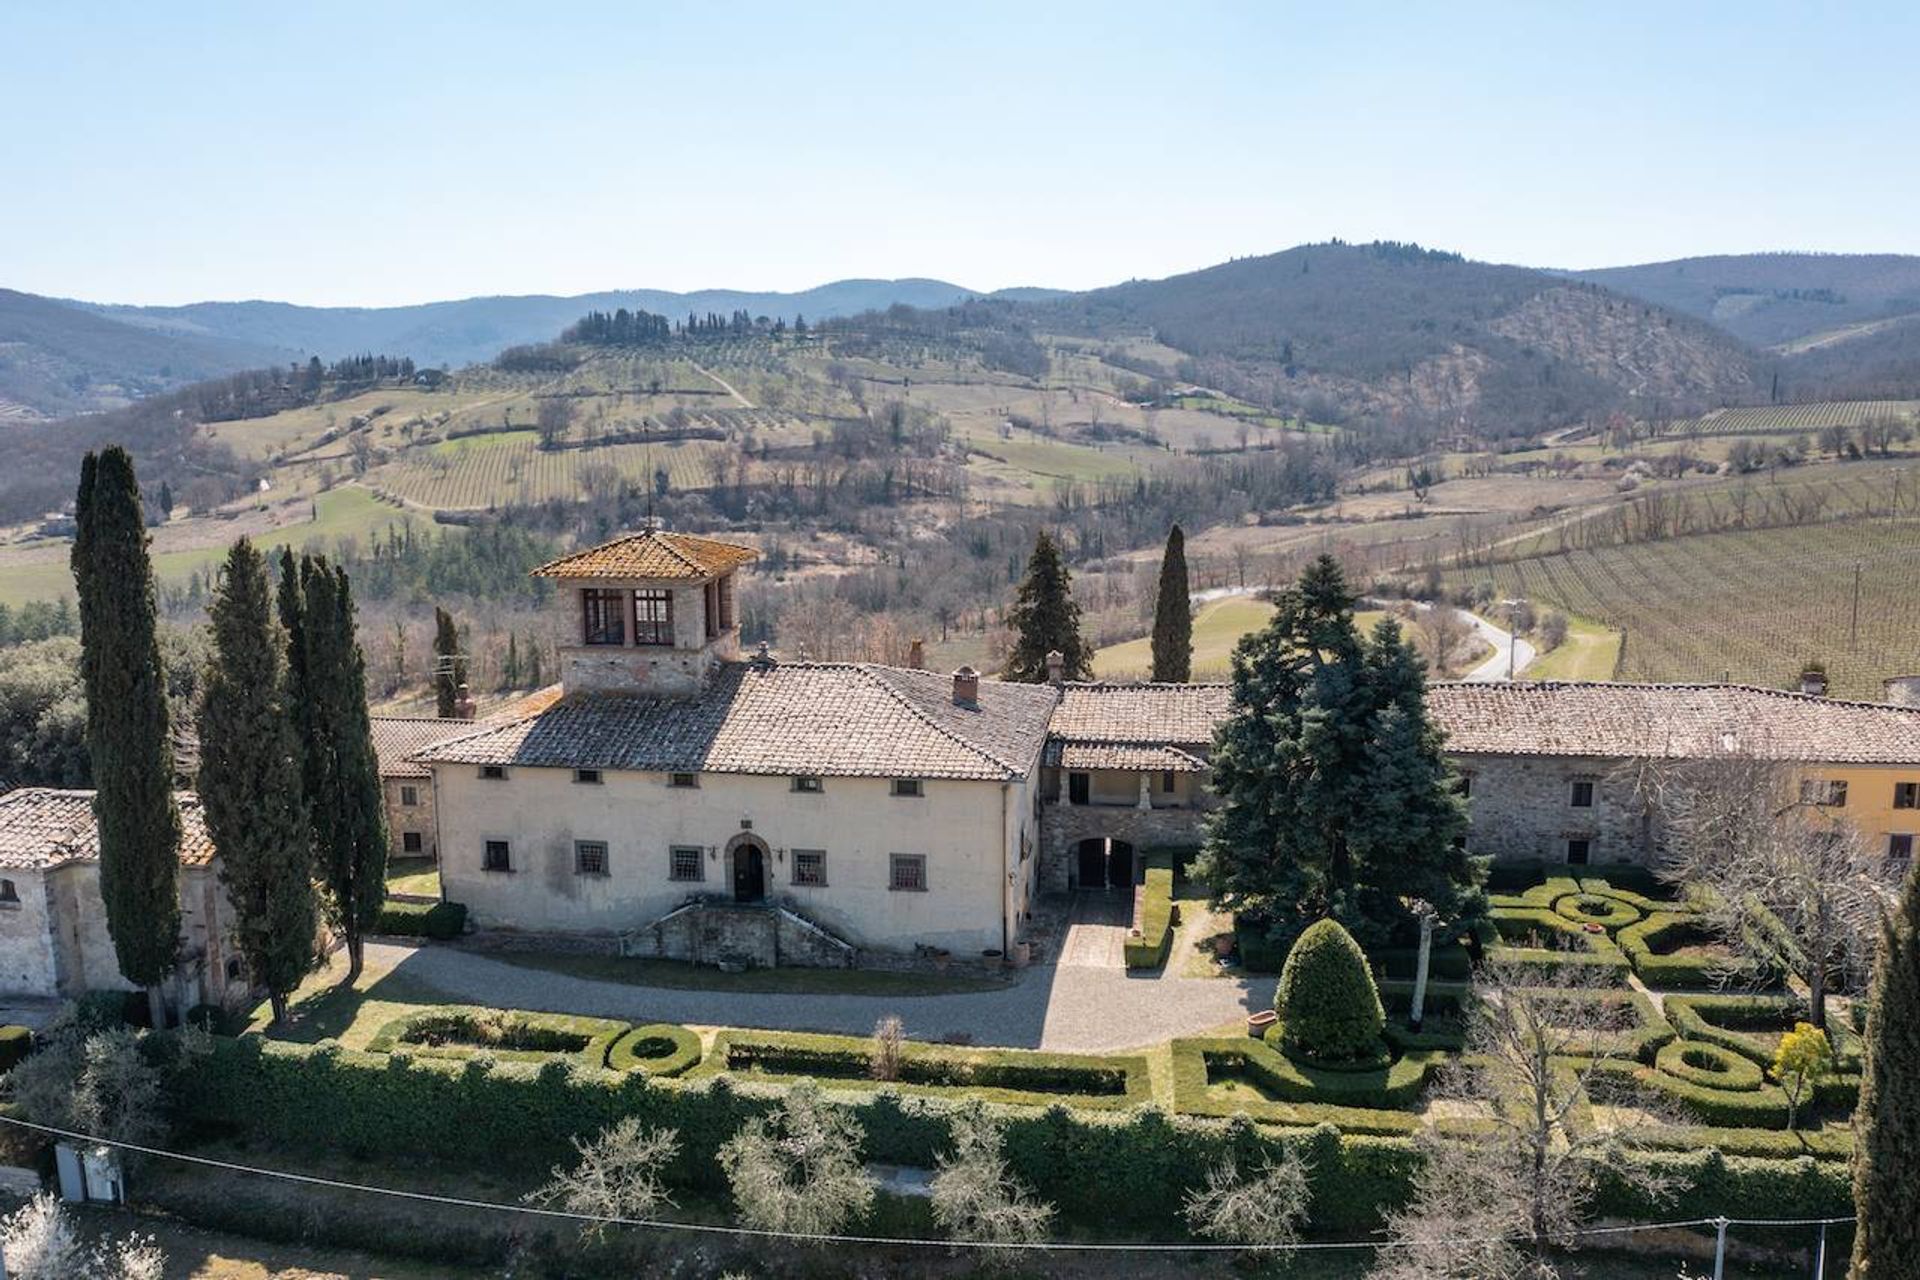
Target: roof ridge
[(870, 671), (1705, 686)]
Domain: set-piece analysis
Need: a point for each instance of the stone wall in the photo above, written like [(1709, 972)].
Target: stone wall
[(1522, 809), (1064, 826), (417, 817), (761, 935), (27, 924)]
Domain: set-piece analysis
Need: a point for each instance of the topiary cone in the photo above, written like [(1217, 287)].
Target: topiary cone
[(1328, 1003)]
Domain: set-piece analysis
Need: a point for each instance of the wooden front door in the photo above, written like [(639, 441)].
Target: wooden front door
[(749, 873)]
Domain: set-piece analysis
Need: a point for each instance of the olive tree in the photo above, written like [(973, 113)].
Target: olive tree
[(798, 1170)]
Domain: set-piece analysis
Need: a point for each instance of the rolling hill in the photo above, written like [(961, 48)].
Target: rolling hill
[(1786, 301)]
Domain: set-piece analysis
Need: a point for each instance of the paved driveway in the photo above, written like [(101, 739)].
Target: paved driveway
[(1070, 1008)]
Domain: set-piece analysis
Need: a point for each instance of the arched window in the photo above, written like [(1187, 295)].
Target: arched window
[(9, 896)]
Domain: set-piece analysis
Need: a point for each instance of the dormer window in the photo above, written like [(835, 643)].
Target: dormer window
[(653, 617), (603, 616)]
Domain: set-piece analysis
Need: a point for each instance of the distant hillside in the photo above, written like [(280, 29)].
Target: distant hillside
[(472, 330), (1396, 330), (57, 359), (1776, 299)]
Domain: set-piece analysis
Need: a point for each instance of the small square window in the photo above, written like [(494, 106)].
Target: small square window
[(1583, 794), (1906, 795), (807, 783), (1578, 852), (684, 863), (1900, 847), (907, 787), (9, 895), (810, 868), (493, 772), (410, 842), (589, 776), (409, 796), (590, 857), (907, 872), (683, 780), (496, 857)]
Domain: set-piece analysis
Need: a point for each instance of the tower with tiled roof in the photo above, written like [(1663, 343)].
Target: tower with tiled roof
[(652, 612)]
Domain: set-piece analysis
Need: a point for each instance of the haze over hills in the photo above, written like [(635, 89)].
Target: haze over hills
[(1335, 330)]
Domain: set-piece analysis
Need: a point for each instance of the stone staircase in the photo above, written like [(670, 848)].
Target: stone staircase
[(758, 935)]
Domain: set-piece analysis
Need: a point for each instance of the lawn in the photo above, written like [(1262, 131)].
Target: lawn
[(1588, 653), (419, 877), (679, 976), (1217, 627)]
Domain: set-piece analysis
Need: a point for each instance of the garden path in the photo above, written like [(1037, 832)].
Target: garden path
[(1066, 1008)]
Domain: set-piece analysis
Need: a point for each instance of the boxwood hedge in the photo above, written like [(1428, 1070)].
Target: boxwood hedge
[(1149, 950), (657, 1049), (1751, 1025), (1709, 1066), (1353, 1102), (1540, 936), (441, 921), (509, 1035)]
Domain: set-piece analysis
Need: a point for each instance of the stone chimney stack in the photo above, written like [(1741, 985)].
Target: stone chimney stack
[(463, 702), (917, 655), (966, 687), (1056, 667), (1903, 691), (1813, 680)]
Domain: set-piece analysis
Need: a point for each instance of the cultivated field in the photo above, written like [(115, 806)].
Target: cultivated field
[(1747, 605), (1789, 418)]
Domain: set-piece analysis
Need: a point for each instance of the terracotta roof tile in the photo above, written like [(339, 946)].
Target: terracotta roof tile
[(832, 719), (1126, 712), (654, 555), (1140, 757), (396, 738), (42, 827)]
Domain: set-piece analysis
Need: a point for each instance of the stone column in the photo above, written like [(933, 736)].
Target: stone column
[(1146, 792), (1061, 790)]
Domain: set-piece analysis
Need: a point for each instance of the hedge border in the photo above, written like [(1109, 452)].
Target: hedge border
[(1671, 973), (1736, 1074), (685, 1052), (1136, 1085), (1149, 950), (1690, 1016), (1339, 1098), (390, 1039), (439, 921), (1619, 914), (1595, 951)]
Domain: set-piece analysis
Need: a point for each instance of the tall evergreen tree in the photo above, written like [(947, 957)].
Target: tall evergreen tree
[(341, 774), (1886, 1125), (449, 669), (1173, 615), (127, 724), (1045, 619), (250, 782), (1335, 797)]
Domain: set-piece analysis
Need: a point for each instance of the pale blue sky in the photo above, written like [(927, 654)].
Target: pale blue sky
[(401, 152)]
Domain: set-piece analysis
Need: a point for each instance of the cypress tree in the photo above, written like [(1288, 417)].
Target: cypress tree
[(1045, 619), (449, 672), (250, 782), (127, 724), (1886, 1125), (342, 774), (1173, 615)]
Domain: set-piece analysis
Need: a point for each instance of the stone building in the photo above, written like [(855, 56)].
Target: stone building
[(697, 804), (53, 924), (406, 785)]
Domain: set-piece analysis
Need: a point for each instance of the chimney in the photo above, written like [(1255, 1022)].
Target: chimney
[(1056, 666), (966, 687), (917, 655), (1813, 680), (1903, 691), (463, 702)]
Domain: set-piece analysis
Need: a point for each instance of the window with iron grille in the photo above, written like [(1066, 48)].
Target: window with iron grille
[(493, 772), (588, 776), (410, 842), (907, 787), (603, 616), (653, 617), (810, 868), (1578, 852), (808, 784), (1583, 793), (684, 863), (590, 857), (496, 856), (907, 872), (683, 780)]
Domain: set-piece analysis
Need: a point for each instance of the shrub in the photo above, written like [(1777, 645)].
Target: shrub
[(510, 1035), (16, 1042), (215, 1020), (1327, 1000), (1709, 1066), (1752, 1025), (1294, 1093), (1539, 936), (1260, 952), (657, 1049), (1149, 950), (1650, 946), (1592, 908), (440, 921)]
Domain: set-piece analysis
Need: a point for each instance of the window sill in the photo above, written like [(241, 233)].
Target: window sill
[(808, 884), (498, 871), (901, 888)]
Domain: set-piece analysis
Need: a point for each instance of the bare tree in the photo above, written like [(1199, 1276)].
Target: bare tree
[(975, 1196), (552, 420), (1441, 631), (1495, 1204), (883, 1056), (1788, 882), (799, 1169), (40, 1242), (1262, 1211), (621, 1173)]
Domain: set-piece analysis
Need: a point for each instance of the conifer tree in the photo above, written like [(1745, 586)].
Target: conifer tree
[(1173, 615), (1335, 797), (1046, 619), (449, 670), (128, 735), (250, 782), (1886, 1125), (341, 774), (510, 670)]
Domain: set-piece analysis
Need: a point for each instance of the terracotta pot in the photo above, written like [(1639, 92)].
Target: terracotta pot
[(1258, 1023)]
